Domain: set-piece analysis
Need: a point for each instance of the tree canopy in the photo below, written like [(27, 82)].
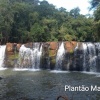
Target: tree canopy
[(96, 23), (94, 3), (34, 20)]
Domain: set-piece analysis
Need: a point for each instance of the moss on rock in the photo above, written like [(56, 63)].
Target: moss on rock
[(15, 56)]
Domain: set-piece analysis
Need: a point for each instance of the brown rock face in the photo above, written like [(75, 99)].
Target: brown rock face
[(69, 46), (74, 43), (9, 47), (53, 45), (52, 53)]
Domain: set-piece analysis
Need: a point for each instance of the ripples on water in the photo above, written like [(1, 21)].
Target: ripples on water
[(45, 85)]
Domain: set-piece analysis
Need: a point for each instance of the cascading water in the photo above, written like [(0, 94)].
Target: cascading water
[(36, 55), (60, 57), (2, 55), (98, 56), (85, 57), (92, 56), (85, 65), (24, 57), (30, 57), (75, 54)]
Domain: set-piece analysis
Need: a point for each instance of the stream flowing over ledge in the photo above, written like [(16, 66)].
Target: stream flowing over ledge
[(71, 56)]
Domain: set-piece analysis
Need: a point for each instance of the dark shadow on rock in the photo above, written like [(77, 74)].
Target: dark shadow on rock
[(1, 78)]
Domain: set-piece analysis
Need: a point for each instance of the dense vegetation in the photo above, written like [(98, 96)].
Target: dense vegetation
[(32, 20), (96, 25)]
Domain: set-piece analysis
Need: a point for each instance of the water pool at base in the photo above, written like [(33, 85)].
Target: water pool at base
[(46, 85)]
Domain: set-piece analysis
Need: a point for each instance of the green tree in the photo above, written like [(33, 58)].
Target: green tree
[(75, 12), (94, 3), (32, 20), (6, 19), (97, 24)]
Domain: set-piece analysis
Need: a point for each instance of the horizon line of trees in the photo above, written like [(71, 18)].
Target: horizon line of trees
[(34, 21)]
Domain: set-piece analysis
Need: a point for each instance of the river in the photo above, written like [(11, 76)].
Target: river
[(46, 85)]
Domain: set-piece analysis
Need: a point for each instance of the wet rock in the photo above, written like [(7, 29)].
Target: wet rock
[(18, 46), (29, 45), (45, 56), (1, 78), (12, 48), (52, 63), (52, 53), (46, 45), (53, 45), (69, 46), (9, 47)]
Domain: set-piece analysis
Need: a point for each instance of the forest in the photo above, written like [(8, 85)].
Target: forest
[(24, 21)]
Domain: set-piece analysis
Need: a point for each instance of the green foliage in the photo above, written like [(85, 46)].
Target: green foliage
[(37, 32), (96, 24), (75, 12), (34, 20), (0, 36), (15, 56), (97, 14), (94, 3)]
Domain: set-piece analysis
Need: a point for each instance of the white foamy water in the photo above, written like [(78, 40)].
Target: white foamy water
[(76, 47), (92, 56), (30, 57), (84, 46), (20, 69), (60, 57), (36, 55), (84, 56), (58, 71), (34, 70), (2, 69), (2, 56), (25, 69), (90, 73), (75, 53)]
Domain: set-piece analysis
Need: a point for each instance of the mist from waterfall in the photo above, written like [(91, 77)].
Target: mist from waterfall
[(2, 55), (30, 57), (60, 57)]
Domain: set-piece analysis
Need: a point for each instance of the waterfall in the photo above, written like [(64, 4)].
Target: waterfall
[(92, 56), (24, 57), (30, 57), (36, 55), (85, 65), (75, 54), (2, 55), (85, 57), (60, 57), (98, 56)]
